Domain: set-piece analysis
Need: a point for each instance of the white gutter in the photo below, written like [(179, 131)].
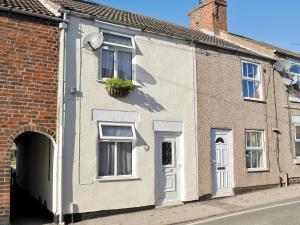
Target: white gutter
[(61, 118)]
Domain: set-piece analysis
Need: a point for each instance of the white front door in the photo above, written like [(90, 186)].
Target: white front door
[(221, 163), (167, 170)]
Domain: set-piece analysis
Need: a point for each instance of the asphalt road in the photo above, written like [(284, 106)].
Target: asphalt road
[(281, 213)]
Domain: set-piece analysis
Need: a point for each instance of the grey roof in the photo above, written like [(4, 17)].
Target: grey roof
[(33, 6), (278, 50), (144, 23)]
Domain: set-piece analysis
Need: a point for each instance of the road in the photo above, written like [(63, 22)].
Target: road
[(281, 213)]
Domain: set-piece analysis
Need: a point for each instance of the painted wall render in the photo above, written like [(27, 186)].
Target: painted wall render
[(164, 72)]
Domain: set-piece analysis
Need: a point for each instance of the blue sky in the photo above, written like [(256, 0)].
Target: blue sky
[(272, 21)]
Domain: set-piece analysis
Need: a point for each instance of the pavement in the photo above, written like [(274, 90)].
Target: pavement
[(199, 210), (281, 213), (255, 208)]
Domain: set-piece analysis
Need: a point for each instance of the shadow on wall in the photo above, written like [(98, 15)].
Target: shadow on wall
[(140, 98), (145, 101)]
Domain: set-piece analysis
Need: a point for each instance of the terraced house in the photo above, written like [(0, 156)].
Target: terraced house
[(247, 116), (111, 111)]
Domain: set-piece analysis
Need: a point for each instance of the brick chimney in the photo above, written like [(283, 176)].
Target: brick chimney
[(209, 15)]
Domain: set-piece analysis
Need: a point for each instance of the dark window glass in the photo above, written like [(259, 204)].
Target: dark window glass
[(220, 140), (167, 153), (124, 158), (125, 65), (107, 64), (106, 159)]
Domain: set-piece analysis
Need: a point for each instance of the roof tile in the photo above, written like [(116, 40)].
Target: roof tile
[(33, 6)]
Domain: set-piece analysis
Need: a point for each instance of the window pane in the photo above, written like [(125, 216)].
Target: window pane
[(245, 70), (255, 159), (245, 88), (117, 131), (166, 153), (295, 69), (125, 65), (297, 148), (107, 63), (251, 89), (298, 132), (119, 40), (256, 90), (254, 139), (251, 73), (124, 158), (106, 159)]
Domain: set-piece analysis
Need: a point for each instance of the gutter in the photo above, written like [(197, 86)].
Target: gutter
[(27, 13)]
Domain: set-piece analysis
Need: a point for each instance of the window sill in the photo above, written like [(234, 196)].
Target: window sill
[(117, 179), (294, 99), (257, 170), (297, 161), (255, 100)]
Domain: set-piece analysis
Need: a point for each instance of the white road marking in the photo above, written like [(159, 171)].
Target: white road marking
[(244, 212)]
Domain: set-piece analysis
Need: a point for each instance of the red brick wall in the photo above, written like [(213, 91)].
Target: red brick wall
[(29, 49), (210, 15)]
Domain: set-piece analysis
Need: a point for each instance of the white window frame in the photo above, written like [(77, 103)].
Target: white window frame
[(259, 80), (263, 147), (116, 140), (296, 140), (116, 48), (102, 137), (293, 97)]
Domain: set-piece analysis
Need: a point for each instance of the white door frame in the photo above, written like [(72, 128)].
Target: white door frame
[(230, 161), (179, 161)]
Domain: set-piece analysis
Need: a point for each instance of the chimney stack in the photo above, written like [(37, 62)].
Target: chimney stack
[(209, 15)]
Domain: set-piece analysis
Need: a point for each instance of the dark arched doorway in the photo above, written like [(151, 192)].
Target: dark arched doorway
[(32, 183)]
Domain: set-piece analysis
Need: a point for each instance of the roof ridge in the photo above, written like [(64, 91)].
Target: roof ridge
[(268, 44)]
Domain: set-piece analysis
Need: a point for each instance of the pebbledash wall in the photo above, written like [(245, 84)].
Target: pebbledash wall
[(28, 87), (164, 72), (221, 106)]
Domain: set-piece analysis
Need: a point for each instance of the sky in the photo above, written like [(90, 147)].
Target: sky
[(272, 21)]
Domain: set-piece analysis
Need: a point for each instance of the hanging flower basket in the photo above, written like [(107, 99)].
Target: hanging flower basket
[(117, 92), (117, 87)]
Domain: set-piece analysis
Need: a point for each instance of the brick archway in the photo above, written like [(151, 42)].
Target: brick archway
[(5, 150), (33, 128)]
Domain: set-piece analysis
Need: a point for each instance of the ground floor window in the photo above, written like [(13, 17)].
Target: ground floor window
[(297, 140), (115, 150), (115, 159), (255, 150)]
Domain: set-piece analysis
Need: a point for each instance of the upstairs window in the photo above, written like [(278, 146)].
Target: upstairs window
[(295, 89), (116, 57), (251, 81)]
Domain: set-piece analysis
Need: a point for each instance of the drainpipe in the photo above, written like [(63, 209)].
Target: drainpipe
[(61, 113)]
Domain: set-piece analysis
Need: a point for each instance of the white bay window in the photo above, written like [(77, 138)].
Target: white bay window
[(115, 150), (116, 56)]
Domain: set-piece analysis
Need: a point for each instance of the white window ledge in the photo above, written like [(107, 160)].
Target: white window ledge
[(257, 170), (116, 179), (294, 99), (255, 100), (297, 161)]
